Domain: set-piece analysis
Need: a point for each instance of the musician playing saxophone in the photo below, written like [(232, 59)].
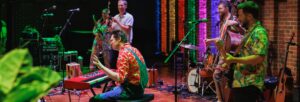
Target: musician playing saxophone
[(131, 71)]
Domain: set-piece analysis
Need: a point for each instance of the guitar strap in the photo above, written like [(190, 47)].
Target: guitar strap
[(245, 39), (135, 91), (224, 28), (143, 70), (229, 73)]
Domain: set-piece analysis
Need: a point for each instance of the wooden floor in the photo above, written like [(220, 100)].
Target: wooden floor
[(161, 94)]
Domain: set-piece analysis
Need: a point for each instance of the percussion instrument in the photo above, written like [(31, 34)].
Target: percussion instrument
[(153, 77), (73, 70), (197, 77)]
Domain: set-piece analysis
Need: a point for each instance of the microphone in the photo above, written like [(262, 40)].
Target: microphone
[(198, 21), (74, 10), (50, 8)]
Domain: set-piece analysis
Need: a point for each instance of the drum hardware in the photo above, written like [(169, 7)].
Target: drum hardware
[(51, 48), (30, 38), (172, 53), (190, 64), (200, 78), (30, 33), (70, 56), (182, 86), (67, 23), (179, 63)]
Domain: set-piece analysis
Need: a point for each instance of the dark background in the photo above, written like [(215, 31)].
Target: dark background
[(19, 13)]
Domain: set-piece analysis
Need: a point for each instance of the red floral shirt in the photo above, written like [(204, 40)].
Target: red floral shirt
[(127, 65)]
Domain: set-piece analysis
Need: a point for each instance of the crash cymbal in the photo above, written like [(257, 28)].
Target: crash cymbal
[(83, 31), (189, 46)]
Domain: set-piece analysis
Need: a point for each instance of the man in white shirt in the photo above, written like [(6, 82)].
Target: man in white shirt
[(123, 21)]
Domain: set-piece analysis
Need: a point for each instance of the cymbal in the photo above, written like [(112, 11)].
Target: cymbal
[(83, 31), (189, 46)]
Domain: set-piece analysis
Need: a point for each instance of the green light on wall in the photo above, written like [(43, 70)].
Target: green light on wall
[(191, 15)]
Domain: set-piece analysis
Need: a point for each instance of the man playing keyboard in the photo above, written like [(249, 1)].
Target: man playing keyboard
[(130, 71)]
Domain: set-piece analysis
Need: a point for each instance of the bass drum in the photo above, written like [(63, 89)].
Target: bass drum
[(194, 78), (193, 81)]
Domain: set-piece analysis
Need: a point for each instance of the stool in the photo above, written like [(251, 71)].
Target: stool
[(206, 84), (145, 98), (73, 70)]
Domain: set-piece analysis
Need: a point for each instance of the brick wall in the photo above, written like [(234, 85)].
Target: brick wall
[(281, 18)]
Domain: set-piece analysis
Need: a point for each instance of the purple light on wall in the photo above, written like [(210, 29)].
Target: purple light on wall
[(214, 23), (202, 30)]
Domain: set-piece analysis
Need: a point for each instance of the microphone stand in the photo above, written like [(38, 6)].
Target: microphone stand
[(44, 17), (172, 53), (40, 36), (63, 49)]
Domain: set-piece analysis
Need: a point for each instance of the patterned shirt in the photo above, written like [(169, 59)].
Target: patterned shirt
[(128, 67), (256, 44), (101, 36)]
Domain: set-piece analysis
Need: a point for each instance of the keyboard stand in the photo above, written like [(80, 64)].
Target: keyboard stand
[(104, 88), (92, 90)]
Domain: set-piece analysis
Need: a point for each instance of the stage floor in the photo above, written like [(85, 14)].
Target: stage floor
[(161, 94)]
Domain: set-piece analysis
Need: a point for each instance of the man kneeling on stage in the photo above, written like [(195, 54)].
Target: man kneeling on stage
[(131, 71)]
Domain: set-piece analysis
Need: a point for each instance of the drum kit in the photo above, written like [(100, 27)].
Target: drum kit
[(199, 77)]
